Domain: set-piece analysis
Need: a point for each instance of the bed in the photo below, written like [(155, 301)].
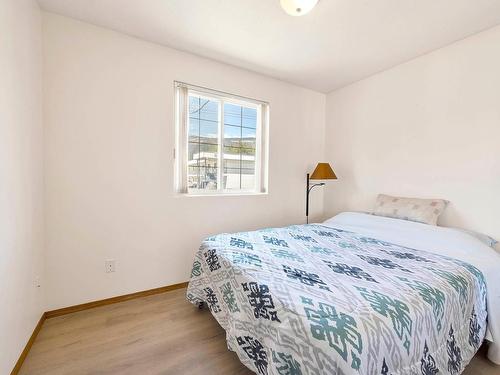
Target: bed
[(357, 294)]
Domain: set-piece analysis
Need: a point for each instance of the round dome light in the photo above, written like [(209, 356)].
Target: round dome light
[(298, 7)]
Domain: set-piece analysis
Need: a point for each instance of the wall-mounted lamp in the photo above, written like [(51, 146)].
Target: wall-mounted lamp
[(323, 171)]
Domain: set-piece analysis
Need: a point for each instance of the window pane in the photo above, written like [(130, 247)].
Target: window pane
[(232, 136), (232, 114), (206, 162), (194, 106), (232, 164), (209, 132), (248, 169), (208, 178), (239, 174), (193, 177), (248, 138), (203, 139), (232, 153), (232, 109), (205, 143), (231, 179), (249, 117), (248, 181), (248, 164), (231, 131), (239, 152), (248, 151), (209, 110), (194, 129), (248, 132), (193, 153), (208, 155)]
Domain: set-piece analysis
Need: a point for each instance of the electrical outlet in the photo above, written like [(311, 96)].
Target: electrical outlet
[(110, 265)]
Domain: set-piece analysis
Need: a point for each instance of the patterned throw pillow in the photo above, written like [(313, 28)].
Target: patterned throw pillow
[(424, 211)]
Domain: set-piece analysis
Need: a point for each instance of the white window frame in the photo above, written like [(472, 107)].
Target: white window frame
[(182, 91)]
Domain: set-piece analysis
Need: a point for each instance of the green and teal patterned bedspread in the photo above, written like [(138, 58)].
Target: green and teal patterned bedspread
[(311, 299)]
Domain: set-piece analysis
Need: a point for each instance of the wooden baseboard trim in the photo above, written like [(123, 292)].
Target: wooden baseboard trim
[(28, 346), (86, 306), (109, 301)]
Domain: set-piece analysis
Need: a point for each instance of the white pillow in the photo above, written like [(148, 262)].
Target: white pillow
[(424, 211), (490, 241)]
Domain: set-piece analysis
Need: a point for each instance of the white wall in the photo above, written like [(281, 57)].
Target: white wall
[(427, 128), (21, 178), (108, 112)]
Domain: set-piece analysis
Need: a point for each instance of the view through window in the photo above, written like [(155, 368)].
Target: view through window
[(224, 144)]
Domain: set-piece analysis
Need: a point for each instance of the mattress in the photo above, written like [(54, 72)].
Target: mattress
[(357, 294)]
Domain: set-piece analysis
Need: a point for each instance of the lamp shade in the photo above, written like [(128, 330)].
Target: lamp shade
[(323, 171)]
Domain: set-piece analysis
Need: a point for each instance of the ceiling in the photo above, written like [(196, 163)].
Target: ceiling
[(339, 42)]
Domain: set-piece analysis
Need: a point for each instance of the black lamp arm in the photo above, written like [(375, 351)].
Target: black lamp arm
[(308, 190), (320, 184)]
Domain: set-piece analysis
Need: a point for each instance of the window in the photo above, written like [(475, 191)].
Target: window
[(221, 142)]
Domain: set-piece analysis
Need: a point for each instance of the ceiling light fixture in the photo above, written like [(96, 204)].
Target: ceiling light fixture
[(298, 7)]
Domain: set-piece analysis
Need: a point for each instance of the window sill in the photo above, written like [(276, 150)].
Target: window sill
[(241, 194)]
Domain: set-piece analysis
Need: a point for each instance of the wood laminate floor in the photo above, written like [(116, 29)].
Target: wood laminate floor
[(160, 334)]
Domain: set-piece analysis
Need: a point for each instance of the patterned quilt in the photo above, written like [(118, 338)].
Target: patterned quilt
[(311, 299)]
